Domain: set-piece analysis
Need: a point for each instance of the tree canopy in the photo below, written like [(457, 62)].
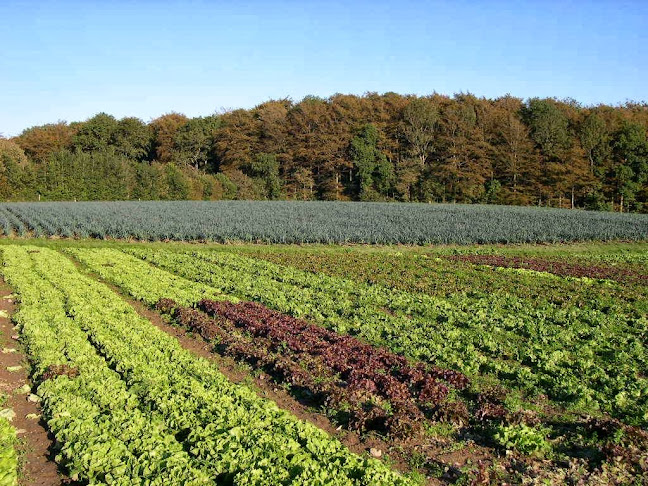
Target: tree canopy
[(461, 148)]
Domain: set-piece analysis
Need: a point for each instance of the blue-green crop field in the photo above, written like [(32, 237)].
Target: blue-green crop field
[(317, 222)]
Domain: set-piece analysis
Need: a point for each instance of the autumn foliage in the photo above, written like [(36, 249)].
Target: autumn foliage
[(373, 147)]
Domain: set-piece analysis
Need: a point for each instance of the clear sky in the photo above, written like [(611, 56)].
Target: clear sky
[(68, 60)]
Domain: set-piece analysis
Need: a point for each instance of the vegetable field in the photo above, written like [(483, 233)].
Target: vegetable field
[(317, 222), (362, 365)]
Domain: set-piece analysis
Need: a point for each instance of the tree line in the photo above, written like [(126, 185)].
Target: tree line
[(374, 147)]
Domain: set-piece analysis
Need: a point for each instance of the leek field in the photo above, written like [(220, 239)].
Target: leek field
[(316, 222)]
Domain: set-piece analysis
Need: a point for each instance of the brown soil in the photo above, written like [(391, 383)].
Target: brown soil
[(37, 466)]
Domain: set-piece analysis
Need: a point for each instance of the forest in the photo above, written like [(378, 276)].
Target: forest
[(374, 147)]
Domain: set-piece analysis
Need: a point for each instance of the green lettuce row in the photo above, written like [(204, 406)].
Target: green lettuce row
[(101, 434), (541, 350), (8, 456), (238, 436), (351, 294), (143, 281)]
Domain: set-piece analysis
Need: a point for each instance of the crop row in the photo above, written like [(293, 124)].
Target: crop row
[(226, 429), (8, 455), (11, 225), (557, 267), (345, 354), (580, 357), (417, 272), (104, 435), (380, 390)]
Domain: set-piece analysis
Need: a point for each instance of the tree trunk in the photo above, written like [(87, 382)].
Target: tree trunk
[(514, 182), (337, 187), (572, 198)]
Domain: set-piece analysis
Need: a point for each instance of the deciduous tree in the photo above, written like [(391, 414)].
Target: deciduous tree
[(164, 130)]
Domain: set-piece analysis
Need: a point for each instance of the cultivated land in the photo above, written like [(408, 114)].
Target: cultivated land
[(190, 363), (317, 222)]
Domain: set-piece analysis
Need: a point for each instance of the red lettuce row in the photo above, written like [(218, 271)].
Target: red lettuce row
[(561, 268), (346, 354), (379, 390)]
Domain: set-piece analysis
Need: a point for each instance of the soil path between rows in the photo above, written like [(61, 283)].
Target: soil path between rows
[(35, 443)]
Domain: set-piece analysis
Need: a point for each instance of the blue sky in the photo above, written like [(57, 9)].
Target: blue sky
[(68, 60)]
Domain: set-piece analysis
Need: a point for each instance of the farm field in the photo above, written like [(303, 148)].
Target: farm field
[(316, 222), (179, 363)]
